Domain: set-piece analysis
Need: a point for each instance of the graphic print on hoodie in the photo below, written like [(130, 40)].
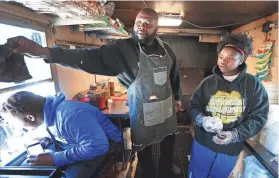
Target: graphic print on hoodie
[(241, 104), (226, 106)]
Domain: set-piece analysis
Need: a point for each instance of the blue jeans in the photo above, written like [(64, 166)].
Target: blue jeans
[(205, 163)]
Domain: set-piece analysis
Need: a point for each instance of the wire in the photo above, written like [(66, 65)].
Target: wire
[(144, 3), (219, 26)]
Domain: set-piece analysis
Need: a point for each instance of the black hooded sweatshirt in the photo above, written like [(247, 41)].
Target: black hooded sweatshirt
[(241, 104)]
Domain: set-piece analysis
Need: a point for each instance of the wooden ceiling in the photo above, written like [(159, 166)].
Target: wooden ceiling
[(201, 13), (208, 17), (84, 9)]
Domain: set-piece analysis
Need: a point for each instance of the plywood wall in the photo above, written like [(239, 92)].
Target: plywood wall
[(254, 30), (72, 81), (64, 33)]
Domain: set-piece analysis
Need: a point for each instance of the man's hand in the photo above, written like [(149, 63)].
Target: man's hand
[(226, 137), (44, 159), (28, 47), (212, 124), (178, 105)]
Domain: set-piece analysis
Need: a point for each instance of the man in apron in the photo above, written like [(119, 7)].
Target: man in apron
[(148, 68)]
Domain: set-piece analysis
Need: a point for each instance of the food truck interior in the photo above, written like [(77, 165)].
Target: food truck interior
[(192, 29)]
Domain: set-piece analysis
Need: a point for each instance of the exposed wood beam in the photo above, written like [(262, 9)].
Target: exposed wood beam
[(127, 10), (72, 43), (21, 22), (64, 33), (10, 9), (107, 36), (210, 38), (90, 28), (73, 21), (197, 32), (51, 42), (178, 34), (24, 85), (191, 31), (256, 24)]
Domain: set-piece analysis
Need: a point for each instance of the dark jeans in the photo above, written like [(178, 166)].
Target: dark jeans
[(165, 161), (84, 169)]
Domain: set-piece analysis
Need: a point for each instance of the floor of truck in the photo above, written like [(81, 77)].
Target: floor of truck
[(182, 150)]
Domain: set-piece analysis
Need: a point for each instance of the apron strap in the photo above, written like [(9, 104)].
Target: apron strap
[(160, 42), (53, 140)]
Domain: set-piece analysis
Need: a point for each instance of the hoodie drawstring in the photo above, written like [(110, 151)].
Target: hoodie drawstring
[(242, 104)]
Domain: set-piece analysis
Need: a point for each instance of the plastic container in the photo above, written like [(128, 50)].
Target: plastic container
[(254, 169), (269, 138), (127, 138), (111, 88)]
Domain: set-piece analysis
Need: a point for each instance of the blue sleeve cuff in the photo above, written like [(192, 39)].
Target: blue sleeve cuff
[(235, 137), (60, 158)]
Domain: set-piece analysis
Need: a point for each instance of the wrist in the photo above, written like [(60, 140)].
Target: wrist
[(46, 53), (235, 136), (200, 119)]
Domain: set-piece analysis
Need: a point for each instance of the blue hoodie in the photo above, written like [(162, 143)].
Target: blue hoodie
[(82, 128)]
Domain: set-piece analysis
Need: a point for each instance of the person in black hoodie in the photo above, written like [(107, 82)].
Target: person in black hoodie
[(228, 107)]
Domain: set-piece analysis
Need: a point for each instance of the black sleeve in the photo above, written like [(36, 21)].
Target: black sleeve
[(257, 115), (105, 60), (175, 77)]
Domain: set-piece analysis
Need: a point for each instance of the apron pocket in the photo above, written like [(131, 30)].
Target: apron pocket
[(156, 112), (160, 75), (153, 113)]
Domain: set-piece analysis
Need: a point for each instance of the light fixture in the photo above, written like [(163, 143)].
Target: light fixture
[(169, 20), (166, 21)]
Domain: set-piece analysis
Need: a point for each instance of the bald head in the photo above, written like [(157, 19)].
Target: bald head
[(146, 26), (148, 13)]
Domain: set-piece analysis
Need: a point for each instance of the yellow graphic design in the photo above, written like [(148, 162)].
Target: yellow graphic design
[(226, 106)]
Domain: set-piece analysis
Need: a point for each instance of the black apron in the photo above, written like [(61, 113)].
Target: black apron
[(151, 102)]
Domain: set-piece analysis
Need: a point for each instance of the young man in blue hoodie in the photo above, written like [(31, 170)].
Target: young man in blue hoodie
[(80, 131), (228, 108)]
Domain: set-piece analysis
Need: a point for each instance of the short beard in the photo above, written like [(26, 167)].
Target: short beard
[(149, 39)]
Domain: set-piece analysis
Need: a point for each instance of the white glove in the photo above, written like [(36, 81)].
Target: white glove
[(212, 124), (226, 137)]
